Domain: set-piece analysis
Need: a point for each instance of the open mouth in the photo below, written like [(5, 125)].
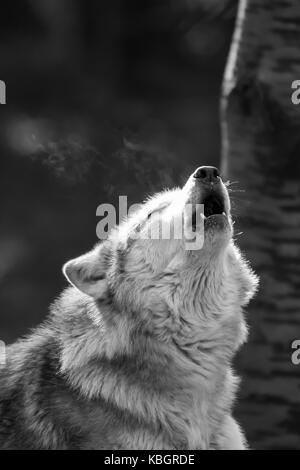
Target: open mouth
[(213, 205)]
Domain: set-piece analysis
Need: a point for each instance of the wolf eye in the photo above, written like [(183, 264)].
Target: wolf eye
[(154, 212), (159, 210), (140, 226)]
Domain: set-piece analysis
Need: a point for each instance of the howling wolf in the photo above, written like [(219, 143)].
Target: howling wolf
[(137, 353)]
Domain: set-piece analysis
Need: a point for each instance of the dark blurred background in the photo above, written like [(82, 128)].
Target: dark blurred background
[(103, 99)]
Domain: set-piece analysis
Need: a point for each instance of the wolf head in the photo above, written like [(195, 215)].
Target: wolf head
[(174, 258)]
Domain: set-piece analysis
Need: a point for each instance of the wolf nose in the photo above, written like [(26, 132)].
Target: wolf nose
[(207, 174)]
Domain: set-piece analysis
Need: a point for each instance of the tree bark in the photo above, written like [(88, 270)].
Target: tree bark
[(261, 150)]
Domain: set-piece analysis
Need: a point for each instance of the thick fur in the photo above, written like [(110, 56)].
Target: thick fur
[(137, 354)]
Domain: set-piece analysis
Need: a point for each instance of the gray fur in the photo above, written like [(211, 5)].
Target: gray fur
[(137, 354)]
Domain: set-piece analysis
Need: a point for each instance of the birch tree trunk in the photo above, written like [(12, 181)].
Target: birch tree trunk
[(261, 150)]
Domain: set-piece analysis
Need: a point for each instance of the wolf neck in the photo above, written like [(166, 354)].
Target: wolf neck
[(162, 381), (205, 290)]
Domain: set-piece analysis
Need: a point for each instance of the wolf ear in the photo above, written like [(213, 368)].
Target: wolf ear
[(87, 273)]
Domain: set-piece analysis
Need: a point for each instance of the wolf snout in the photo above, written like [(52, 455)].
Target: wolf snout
[(207, 188), (207, 175)]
